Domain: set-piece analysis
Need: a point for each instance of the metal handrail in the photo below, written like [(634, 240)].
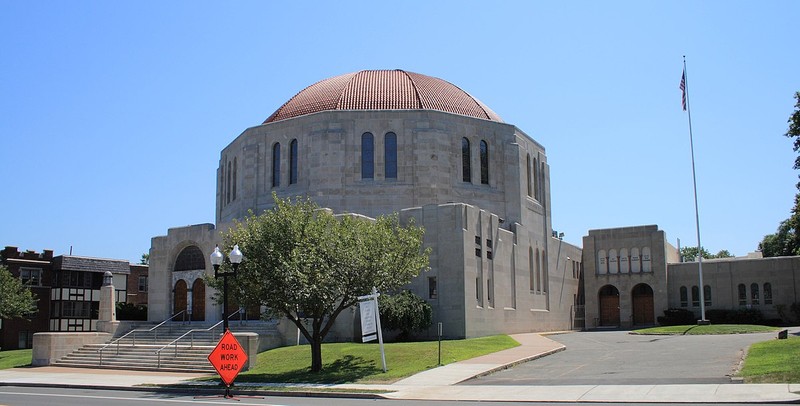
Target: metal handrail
[(101, 349), (191, 342)]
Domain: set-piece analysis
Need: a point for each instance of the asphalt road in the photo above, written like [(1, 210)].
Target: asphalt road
[(10, 395), (619, 358)]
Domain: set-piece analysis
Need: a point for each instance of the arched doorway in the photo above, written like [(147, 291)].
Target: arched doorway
[(643, 312), (609, 306), (198, 300), (180, 295)]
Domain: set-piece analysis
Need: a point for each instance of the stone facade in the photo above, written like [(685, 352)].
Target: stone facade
[(621, 294), (479, 187)]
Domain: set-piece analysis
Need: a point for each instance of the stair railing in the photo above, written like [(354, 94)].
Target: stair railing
[(189, 333), (133, 332)]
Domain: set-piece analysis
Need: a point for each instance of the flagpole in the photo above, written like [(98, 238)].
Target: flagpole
[(685, 89)]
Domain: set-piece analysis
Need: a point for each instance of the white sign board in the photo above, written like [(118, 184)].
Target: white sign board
[(369, 329)]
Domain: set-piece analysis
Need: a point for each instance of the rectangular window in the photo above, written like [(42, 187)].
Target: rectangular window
[(477, 240), (142, 283), (31, 276), (432, 292), (477, 252), (489, 243), (25, 339), (489, 255)]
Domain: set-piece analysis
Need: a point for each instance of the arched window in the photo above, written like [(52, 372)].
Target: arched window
[(754, 293), (684, 297), (367, 156), (707, 295), (235, 162), (276, 165), (767, 293), (293, 162), (466, 157), (695, 296), (484, 163), (528, 174), (646, 260), (190, 259), (390, 155), (742, 294)]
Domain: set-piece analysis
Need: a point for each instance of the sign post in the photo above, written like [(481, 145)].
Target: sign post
[(228, 358), (371, 321)]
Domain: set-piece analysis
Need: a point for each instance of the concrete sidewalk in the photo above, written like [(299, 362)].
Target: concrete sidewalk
[(440, 383)]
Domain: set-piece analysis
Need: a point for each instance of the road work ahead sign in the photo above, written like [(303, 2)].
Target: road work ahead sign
[(228, 358)]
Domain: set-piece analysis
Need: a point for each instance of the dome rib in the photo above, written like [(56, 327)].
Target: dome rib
[(383, 90)]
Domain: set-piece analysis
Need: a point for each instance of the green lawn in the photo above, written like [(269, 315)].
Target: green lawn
[(354, 362), (709, 329), (774, 361), (15, 358)]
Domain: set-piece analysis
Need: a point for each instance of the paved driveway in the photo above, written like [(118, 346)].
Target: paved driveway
[(619, 358)]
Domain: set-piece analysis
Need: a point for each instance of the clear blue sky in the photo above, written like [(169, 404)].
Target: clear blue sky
[(113, 114)]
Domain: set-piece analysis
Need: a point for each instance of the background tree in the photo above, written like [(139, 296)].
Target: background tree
[(406, 312), (690, 254), (145, 259), (16, 299), (786, 241), (307, 265)]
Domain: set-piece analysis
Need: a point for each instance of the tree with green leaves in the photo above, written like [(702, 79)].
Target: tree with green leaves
[(16, 299), (690, 254), (786, 241), (406, 312), (145, 259), (303, 263)]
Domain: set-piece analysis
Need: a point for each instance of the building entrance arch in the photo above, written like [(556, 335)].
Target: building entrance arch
[(609, 305), (180, 297), (642, 300), (198, 300)]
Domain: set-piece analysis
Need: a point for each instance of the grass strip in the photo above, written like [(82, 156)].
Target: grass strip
[(774, 361), (711, 329), (361, 363), (15, 358)]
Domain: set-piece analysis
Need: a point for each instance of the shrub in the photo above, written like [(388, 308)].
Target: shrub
[(719, 316), (746, 316), (677, 317), (406, 312), (129, 311)]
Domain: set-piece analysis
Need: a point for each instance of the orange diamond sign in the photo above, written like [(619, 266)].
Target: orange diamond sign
[(228, 358)]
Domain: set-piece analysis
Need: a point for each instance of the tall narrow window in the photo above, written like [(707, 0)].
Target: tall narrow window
[(367, 156), (742, 294), (531, 270), (695, 296), (390, 155), (536, 193), (707, 295), (754, 293), (276, 165), (235, 164), (767, 293), (528, 173), (222, 186), (538, 272), (684, 297), (484, 163), (228, 189), (293, 162), (432, 292), (466, 159)]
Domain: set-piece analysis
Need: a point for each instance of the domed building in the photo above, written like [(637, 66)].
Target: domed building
[(381, 141)]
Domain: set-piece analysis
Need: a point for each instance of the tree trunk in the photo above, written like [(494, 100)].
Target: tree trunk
[(316, 354)]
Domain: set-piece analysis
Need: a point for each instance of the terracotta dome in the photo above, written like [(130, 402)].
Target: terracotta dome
[(383, 90)]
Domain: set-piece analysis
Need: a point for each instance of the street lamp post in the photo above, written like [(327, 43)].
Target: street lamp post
[(216, 260)]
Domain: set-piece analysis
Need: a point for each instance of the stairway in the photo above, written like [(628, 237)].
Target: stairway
[(155, 350)]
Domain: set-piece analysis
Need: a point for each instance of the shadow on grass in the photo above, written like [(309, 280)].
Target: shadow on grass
[(345, 370)]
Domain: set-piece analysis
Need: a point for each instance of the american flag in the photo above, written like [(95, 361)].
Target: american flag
[(683, 90)]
